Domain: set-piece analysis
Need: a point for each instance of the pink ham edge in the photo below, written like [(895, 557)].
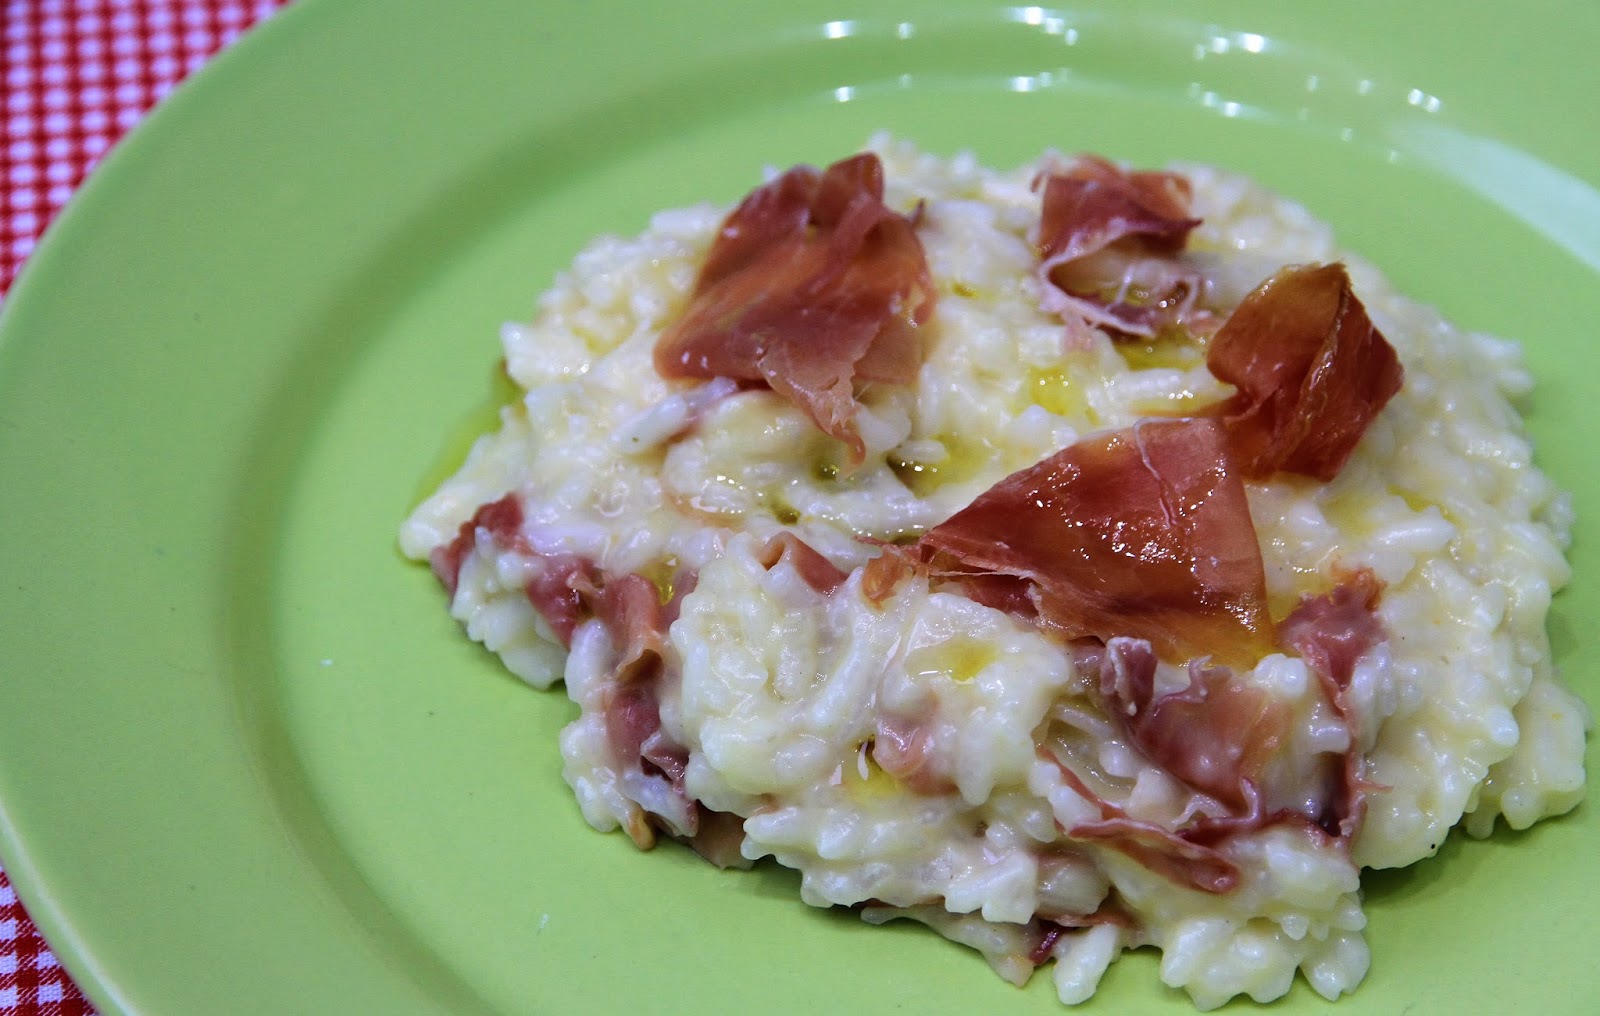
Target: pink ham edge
[(1216, 735), (1142, 532), (1312, 372), (1334, 630), (819, 573), (500, 521), (561, 592), (812, 287), (631, 609), (904, 748), (901, 746), (1052, 928), (1163, 851), (1106, 233), (1331, 632), (570, 589), (637, 621), (633, 717), (1047, 941)]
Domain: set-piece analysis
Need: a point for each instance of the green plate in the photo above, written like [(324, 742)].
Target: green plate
[(248, 764)]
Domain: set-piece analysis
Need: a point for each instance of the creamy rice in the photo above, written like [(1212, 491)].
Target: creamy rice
[(776, 689)]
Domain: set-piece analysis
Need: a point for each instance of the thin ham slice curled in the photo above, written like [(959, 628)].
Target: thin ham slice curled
[(1108, 244), (1217, 735), (499, 521), (1142, 532), (813, 286), (818, 572), (1311, 372), (1331, 633), (1188, 857)]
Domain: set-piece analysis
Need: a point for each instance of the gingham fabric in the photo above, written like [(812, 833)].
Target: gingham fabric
[(78, 75)]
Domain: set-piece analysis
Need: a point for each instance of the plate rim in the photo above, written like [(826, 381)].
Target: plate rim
[(76, 226)]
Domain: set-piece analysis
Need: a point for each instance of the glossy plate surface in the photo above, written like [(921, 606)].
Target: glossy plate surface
[(248, 764)]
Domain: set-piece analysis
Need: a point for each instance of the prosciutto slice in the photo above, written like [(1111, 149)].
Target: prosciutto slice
[(563, 592), (650, 764), (631, 609), (1050, 929), (1334, 630), (812, 287), (1311, 372), (1185, 857), (1141, 532), (1217, 735), (500, 521), (906, 748), (1331, 632), (818, 572), (1108, 246)]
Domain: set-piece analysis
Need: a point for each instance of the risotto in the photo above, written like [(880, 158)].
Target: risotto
[(1069, 559)]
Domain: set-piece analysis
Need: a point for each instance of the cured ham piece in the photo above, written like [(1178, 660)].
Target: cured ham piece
[(818, 572), (631, 609), (1334, 630), (1184, 857), (718, 837), (813, 287), (1217, 735), (1196, 853), (1051, 929), (650, 764), (1142, 532), (561, 590), (501, 520), (1166, 853), (562, 593), (1331, 632), (568, 590), (1048, 937), (906, 749), (632, 718), (1311, 372), (1108, 244)]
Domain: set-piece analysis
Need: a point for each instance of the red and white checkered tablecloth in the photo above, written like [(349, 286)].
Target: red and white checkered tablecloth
[(78, 75)]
